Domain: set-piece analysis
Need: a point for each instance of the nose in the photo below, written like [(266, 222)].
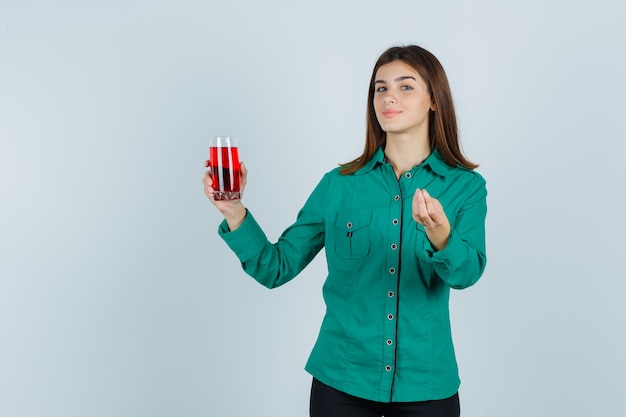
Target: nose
[(389, 97)]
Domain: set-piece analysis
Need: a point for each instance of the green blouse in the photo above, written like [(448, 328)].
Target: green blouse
[(386, 333)]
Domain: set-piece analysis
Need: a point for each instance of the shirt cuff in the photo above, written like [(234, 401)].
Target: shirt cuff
[(454, 251), (247, 240)]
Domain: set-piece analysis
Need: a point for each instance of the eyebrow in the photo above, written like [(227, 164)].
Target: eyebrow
[(398, 79)]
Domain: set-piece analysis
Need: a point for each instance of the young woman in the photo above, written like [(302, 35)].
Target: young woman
[(401, 224)]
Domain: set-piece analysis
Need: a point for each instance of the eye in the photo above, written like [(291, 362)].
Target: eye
[(406, 87), (381, 89)]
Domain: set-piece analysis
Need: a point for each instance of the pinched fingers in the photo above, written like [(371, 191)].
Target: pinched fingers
[(428, 211)]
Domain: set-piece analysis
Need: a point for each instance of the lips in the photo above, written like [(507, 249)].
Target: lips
[(391, 113)]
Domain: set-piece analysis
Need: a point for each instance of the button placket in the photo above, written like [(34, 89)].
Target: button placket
[(389, 337)]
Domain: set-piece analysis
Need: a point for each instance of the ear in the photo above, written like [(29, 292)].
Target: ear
[(432, 106)]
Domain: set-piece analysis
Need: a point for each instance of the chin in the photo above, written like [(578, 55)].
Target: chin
[(394, 130), (390, 129)]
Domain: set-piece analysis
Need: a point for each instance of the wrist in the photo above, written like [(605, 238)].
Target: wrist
[(235, 215), (438, 237)]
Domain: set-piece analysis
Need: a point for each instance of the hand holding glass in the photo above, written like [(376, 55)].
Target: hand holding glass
[(225, 168)]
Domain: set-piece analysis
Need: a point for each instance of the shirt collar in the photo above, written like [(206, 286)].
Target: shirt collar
[(378, 158), (434, 161)]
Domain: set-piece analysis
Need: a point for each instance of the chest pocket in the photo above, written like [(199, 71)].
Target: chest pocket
[(353, 234)]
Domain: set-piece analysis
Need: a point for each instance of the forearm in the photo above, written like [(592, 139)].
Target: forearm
[(270, 264)]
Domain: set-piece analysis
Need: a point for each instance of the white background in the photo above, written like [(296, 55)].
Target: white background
[(117, 297)]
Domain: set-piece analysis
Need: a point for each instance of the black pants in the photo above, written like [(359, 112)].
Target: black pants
[(328, 402)]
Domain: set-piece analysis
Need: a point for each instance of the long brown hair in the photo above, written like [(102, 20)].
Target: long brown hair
[(442, 126)]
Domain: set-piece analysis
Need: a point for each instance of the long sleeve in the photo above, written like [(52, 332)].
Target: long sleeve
[(461, 263), (274, 264)]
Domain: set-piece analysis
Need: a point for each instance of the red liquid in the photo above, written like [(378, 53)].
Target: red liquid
[(226, 172)]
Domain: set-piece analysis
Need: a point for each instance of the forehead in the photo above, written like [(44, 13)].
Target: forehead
[(395, 69)]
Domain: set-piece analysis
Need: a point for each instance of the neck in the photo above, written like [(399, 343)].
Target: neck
[(404, 152)]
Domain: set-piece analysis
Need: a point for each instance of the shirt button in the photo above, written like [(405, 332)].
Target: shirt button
[(388, 368), (389, 342), (407, 175), (392, 271), (395, 221), (349, 225), (391, 294), (396, 198), (394, 246), (389, 316)]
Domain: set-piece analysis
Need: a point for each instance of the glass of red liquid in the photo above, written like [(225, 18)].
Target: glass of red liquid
[(224, 168)]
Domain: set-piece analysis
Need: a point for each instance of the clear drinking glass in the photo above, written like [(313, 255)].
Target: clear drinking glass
[(224, 167)]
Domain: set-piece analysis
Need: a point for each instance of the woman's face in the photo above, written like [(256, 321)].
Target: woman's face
[(401, 99)]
